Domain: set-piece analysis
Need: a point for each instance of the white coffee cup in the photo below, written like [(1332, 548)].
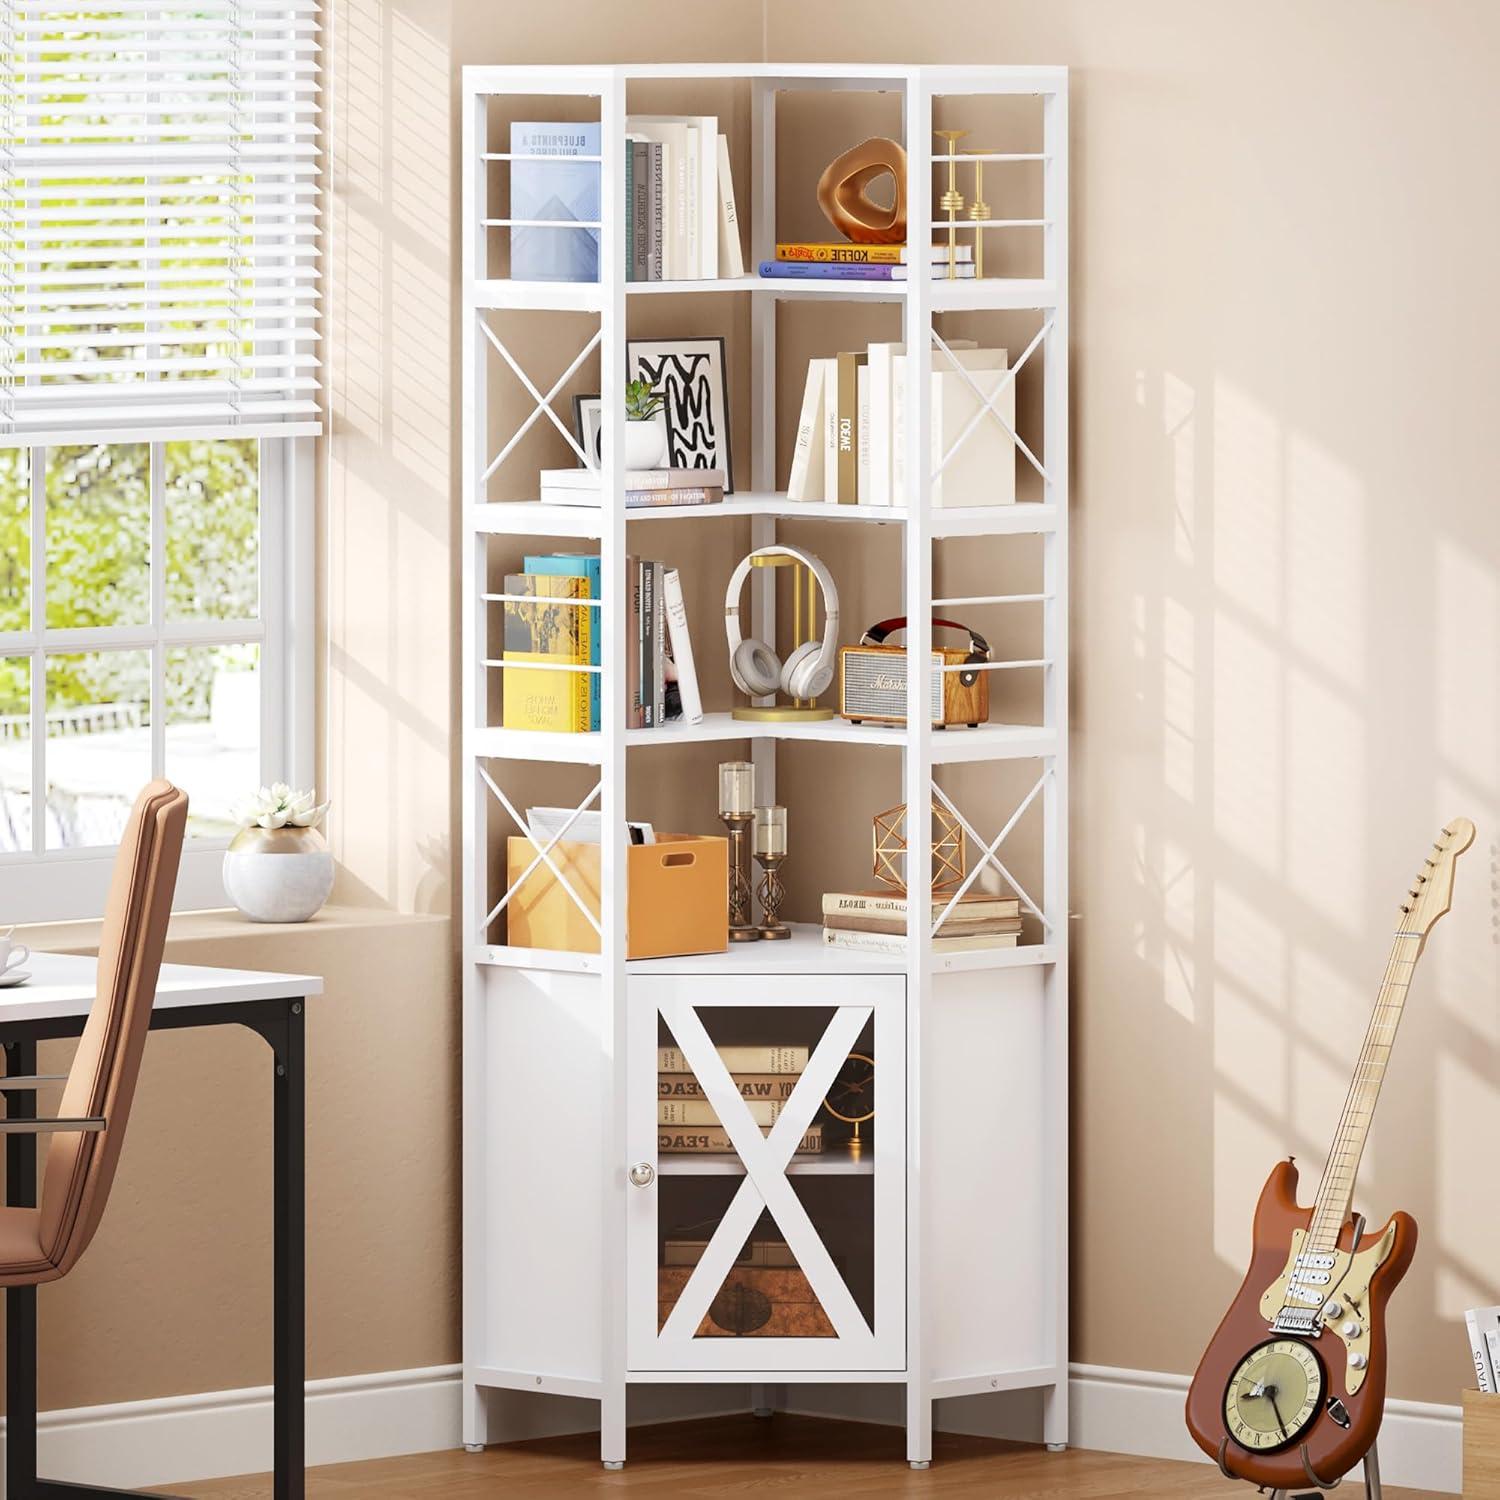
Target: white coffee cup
[(12, 954)]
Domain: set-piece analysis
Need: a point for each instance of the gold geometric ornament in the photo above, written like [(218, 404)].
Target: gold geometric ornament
[(949, 851)]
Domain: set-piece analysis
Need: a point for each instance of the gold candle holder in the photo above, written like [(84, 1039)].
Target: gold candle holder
[(951, 203), (979, 211), (737, 811), (770, 850)]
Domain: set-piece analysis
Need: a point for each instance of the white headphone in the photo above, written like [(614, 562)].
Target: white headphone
[(755, 667)]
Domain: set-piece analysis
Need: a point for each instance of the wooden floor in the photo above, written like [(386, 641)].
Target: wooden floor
[(736, 1456)]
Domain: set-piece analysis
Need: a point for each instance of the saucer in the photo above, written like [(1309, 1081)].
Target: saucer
[(13, 977)]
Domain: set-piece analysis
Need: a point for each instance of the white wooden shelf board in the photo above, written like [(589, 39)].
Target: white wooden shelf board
[(532, 518), (955, 746), (973, 294)]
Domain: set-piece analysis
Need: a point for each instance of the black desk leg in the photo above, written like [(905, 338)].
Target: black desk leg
[(20, 1301), (289, 1352)]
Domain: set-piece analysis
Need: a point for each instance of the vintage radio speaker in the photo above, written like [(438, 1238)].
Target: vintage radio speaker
[(872, 679)]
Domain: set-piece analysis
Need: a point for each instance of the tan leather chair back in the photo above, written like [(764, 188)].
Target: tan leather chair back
[(81, 1167)]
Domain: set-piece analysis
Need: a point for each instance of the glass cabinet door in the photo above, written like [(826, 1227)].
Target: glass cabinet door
[(767, 1169)]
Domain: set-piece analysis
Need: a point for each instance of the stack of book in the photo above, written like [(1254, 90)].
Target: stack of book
[(765, 1077), (845, 262), (661, 679), (558, 694), (643, 487), (875, 922), (851, 434), (1483, 1325), (681, 222)]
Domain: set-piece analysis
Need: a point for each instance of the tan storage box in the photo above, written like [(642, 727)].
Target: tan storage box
[(678, 897), (1481, 1446)]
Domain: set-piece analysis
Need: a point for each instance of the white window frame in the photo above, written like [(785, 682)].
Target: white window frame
[(42, 885)]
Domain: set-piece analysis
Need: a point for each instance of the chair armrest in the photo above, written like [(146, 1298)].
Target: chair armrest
[(85, 1124), (29, 1082)]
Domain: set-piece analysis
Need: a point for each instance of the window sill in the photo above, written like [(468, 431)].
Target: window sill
[(227, 928)]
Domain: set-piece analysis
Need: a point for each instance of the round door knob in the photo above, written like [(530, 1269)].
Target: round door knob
[(643, 1174)]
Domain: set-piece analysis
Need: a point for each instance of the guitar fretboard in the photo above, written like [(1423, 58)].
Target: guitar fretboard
[(1336, 1189)]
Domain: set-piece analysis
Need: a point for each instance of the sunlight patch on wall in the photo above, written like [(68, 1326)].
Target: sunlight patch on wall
[(1328, 1014), (1248, 527), (1177, 406), (421, 402), (1248, 735), (422, 193), (1327, 567), (1248, 1140), (1179, 921), (1178, 705)]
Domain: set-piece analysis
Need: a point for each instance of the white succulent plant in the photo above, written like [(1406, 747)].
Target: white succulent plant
[(279, 806)]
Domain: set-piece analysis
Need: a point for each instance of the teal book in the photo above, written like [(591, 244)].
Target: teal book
[(579, 565)]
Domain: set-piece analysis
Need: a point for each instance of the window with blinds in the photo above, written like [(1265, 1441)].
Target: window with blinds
[(158, 220)]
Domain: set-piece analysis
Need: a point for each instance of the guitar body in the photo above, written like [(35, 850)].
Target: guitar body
[(1361, 1280)]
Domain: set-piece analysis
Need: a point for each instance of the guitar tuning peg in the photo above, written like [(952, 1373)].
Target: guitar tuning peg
[(1421, 880), (1429, 863), (1405, 908)]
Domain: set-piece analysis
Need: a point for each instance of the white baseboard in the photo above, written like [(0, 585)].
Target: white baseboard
[(1140, 1412), (136, 1444)]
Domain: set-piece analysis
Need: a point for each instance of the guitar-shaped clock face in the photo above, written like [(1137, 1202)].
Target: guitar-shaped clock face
[(1273, 1395)]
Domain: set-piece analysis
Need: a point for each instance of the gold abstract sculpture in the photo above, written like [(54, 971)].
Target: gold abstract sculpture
[(843, 192), (949, 854)]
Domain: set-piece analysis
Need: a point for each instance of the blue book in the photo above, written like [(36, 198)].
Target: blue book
[(579, 565), (556, 193)]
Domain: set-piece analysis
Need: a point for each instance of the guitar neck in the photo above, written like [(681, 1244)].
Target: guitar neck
[(1336, 1190)]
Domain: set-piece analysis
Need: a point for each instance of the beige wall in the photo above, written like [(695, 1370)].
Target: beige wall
[(1287, 664)]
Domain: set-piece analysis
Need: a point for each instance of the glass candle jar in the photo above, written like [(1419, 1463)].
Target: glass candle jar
[(736, 789), (770, 831)]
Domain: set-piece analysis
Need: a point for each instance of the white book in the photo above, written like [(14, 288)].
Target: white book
[(731, 251), (806, 479), (692, 188), (1484, 1370), (1492, 1349), (879, 357), (862, 427), (544, 823), (982, 471), (830, 428), (682, 648), (893, 943), (973, 358)]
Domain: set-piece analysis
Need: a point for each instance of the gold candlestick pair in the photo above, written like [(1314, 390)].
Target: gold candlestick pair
[(952, 202), (768, 842)]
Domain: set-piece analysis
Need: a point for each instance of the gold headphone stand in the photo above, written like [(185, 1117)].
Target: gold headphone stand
[(799, 710)]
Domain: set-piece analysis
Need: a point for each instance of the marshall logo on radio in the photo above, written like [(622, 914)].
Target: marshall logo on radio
[(872, 678)]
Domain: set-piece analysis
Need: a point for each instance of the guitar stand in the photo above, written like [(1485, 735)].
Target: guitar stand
[(1373, 1490)]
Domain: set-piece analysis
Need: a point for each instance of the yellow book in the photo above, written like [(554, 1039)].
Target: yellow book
[(546, 699)]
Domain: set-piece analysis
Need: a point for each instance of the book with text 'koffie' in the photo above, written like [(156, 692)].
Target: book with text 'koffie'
[(556, 635), (842, 253)]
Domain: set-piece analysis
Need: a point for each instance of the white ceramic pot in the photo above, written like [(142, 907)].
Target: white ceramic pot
[(645, 444), (278, 874)]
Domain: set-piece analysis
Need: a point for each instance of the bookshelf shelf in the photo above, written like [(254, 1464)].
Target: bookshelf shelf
[(961, 1185), (532, 518)]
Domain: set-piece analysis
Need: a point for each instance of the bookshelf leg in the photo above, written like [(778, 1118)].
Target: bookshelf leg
[(1055, 1417), (612, 1427), (475, 1417), (918, 1426), (762, 1400)]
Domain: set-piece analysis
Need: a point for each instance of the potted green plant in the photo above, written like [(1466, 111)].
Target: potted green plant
[(645, 431)]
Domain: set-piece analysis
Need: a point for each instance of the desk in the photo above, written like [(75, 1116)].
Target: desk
[(55, 1004)]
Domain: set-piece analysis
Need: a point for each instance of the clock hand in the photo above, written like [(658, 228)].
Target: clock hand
[(1271, 1393)]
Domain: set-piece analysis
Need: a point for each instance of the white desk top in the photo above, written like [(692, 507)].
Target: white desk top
[(62, 984)]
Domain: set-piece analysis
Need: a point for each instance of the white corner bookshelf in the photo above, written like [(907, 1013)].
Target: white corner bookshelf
[(933, 1248)]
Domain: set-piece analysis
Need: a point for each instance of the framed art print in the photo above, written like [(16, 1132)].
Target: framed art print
[(588, 428), (689, 376)]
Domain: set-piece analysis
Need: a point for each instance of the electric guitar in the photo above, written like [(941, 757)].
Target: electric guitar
[(1291, 1388)]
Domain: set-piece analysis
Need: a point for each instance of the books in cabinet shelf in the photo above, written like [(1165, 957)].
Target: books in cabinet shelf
[(661, 682), (692, 1112), (643, 487), (673, 1140), (681, 215), (975, 906), (586, 566), (776, 1087), (555, 635), (1480, 1323), (739, 1059), (785, 270), (547, 196), (895, 944)]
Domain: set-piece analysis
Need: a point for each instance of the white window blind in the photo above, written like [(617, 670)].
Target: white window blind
[(158, 229)]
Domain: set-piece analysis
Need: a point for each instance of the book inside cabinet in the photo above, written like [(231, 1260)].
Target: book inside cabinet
[(767, 1134)]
